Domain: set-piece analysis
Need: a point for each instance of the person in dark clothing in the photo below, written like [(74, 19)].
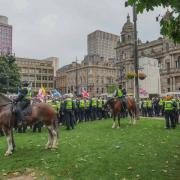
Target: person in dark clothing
[(23, 101)]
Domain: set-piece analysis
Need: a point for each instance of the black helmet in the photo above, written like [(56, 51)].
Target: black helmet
[(25, 83)]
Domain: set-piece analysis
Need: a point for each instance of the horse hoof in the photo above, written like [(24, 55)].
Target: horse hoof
[(48, 147), (7, 153), (118, 127), (54, 147)]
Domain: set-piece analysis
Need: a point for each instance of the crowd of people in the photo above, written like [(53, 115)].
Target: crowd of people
[(168, 107), (73, 110)]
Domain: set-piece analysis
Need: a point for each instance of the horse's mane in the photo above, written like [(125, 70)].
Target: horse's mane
[(4, 100)]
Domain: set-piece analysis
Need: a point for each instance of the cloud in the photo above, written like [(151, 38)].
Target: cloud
[(59, 28), (21, 4)]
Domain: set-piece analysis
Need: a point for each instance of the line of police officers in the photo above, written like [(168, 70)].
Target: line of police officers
[(70, 111), (167, 106)]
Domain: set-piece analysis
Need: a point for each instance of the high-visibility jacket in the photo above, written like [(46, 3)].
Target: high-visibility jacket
[(69, 104), (168, 105), (58, 104), (119, 93), (49, 101), (145, 104), (149, 104), (29, 94), (87, 103), (100, 103), (94, 102), (160, 102), (81, 103)]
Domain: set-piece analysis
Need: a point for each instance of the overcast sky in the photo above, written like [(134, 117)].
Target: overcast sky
[(44, 28)]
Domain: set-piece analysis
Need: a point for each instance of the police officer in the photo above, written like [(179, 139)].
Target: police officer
[(121, 94), (87, 110), (23, 100), (169, 105), (149, 107), (93, 108), (81, 109), (99, 108), (144, 108), (68, 113)]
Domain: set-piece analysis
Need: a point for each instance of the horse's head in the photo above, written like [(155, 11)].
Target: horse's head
[(4, 100), (110, 103)]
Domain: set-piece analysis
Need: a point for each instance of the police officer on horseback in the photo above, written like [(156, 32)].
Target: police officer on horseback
[(23, 101), (120, 93)]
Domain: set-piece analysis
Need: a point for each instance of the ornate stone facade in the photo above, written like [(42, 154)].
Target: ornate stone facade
[(94, 74), (164, 50)]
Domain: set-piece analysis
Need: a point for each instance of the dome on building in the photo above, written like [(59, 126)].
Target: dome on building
[(128, 26)]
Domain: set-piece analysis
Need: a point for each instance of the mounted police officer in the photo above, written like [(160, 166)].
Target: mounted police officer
[(23, 100), (120, 93)]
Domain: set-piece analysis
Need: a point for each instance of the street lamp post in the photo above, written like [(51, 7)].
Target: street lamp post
[(136, 61)]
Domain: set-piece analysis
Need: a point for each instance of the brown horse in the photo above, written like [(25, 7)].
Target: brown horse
[(40, 111), (117, 109)]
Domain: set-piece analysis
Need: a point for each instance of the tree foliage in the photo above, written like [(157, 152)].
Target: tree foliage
[(170, 24), (9, 74)]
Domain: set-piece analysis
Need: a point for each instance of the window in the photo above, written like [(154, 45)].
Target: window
[(167, 46), (168, 81), (97, 90), (178, 63), (102, 90), (168, 66)]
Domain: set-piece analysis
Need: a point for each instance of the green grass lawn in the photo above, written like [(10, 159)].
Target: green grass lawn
[(94, 151)]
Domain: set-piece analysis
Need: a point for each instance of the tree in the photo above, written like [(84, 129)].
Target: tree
[(170, 24), (9, 74)]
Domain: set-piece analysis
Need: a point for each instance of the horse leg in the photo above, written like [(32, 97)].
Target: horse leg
[(131, 118), (13, 143), (134, 118), (9, 142), (50, 139), (118, 121), (114, 124), (55, 139)]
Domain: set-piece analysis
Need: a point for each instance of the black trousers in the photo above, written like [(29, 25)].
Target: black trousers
[(69, 119), (93, 113), (81, 114), (170, 121), (22, 105)]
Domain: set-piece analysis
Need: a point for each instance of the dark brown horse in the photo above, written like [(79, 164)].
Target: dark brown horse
[(117, 109), (40, 111)]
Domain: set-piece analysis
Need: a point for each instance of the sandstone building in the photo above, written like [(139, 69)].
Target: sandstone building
[(94, 74), (164, 50)]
